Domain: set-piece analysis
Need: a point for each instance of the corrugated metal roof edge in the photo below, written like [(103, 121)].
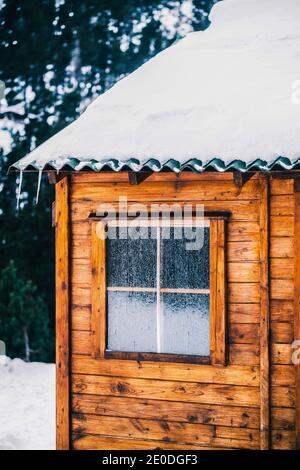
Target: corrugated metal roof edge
[(133, 164)]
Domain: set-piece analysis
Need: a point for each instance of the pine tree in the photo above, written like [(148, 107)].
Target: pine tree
[(23, 317)]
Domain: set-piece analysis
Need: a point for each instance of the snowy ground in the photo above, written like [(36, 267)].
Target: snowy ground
[(27, 405)]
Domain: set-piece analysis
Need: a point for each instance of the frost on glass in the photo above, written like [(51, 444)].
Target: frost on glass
[(131, 263), (132, 321), (182, 268), (185, 324), (165, 315)]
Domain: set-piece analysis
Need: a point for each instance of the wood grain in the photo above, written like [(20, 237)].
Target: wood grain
[(195, 395), (234, 416), (91, 442), (218, 293), (164, 190), (297, 302), (282, 226), (98, 290), (166, 390), (265, 316), (62, 314), (235, 375), (165, 430)]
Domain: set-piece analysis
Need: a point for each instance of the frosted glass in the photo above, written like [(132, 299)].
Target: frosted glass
[(182, 268), (132, 321), (185, 324), (131, 263)]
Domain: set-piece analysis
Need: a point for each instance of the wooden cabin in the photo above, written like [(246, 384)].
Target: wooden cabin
[(160, 347), (244, 395)]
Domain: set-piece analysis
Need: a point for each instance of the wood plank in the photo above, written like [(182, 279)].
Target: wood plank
[(81, 229), (243, 333), (283, 397), (283, 375), (242, 251), (240, 210), (235, 375), (167, 410), (244, 354), (165, 190), (282, 310), (282, 289), (115, 177), (235, 437), (81, 295), (81, 317), (282, 268), (282, 226), (81, 272), (138, 428), (165, 430), (265, 316), (283, 418), (166, 390), (243, 231), (81, 342), (283, 440), (220, 355), (297, 301), (90, 442), (281, 186), (98, 290), (243, 292), (243, 272), (243, 313), (282, 205), (81, 248), (281, 353), (62, 313), (218, 293), (282, 332), (282, 247)]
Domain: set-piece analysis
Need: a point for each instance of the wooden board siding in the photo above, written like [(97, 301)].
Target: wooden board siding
[(282, 313), (264, 327), (146, 405), (62, 237), (297, 304)]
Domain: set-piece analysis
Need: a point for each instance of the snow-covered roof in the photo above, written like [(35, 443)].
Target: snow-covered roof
[(227, 97)]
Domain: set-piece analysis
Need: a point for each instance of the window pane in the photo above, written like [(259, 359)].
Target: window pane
[(131, 263), (185, 324), (132, 321), (182, 268)]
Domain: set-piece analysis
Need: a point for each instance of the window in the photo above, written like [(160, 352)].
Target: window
[(154, 298)]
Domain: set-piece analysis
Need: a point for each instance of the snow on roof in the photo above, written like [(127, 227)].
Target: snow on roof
[(227, 97)]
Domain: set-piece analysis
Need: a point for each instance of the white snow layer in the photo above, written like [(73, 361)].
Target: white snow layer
[(230, 92), (27, 405)]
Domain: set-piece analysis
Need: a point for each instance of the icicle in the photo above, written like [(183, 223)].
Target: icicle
[(19, 189), (38, 186)]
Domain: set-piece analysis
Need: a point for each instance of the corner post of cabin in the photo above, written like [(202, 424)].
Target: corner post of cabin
[(62, 239), (264, 314), (297, 298)]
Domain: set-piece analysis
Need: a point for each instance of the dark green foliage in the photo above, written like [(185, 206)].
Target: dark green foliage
[(56, 56), (24, 320)]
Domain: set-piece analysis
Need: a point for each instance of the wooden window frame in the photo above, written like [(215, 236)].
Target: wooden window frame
[(218, 350)]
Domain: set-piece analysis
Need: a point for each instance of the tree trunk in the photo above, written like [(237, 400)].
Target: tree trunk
[(26, 341)]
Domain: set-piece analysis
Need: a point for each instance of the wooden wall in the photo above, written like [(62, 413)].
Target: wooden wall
[(144, 405), (282, 313)]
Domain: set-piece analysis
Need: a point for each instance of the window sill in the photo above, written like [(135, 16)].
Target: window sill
[(157, 357)]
